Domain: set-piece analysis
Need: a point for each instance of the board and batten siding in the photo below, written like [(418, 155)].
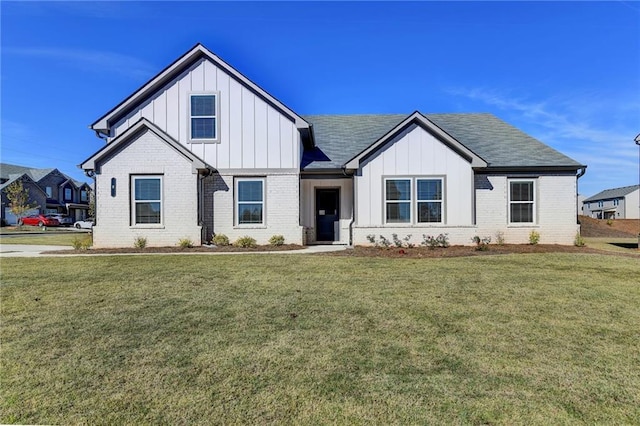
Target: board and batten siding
[(251, 132), (147, 155), (415, 153)]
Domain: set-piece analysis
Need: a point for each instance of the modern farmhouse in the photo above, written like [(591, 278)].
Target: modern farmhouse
[(201, 150)]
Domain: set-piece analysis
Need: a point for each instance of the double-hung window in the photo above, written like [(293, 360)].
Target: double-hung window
[(203, 116), (429, 200), (68, 196), (84, 195), (409, 198), (521, 201), (147, 199), (250, 201), (398, 200)]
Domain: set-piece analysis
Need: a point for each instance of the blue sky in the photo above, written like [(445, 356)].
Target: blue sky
[(567, 73)]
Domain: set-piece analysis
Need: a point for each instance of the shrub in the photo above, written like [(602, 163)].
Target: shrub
[(610, 222), (220, 240), (482, 244), (372, 239), (82, 243), (140, 242), (441, 240), (245, 242), (534, 237), (276, 240), (407, 242), (185, 243), (579, 241), (500, 238), (384, 242), (396, 240)]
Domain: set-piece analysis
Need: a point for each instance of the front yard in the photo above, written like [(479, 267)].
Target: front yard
[(508, 339)]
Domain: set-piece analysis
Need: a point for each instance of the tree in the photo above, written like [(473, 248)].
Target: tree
[(18, 197)]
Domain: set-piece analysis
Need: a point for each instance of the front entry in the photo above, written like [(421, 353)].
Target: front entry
[(327, 213)]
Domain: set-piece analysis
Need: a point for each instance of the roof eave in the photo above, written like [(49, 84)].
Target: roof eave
[(104, 123)]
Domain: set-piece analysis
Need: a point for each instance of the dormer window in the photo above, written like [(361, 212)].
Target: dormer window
[(67, 194), (203, 117)]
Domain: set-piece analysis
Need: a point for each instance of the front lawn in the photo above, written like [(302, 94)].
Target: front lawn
[(63, 238), (506, 339)]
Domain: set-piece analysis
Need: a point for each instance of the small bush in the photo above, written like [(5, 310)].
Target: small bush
[(407, 242), (82, 243), (384, 242), (500, 238), (245, 242), (220, 240), (482, 244), (396, 241), (372, 239), (610, 222), (441, 240), (140, 242), (185, 243), (534, 237), (579, 241), (276, 240)]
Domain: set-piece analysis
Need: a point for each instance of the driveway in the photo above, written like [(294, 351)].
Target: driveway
[(26, 250)]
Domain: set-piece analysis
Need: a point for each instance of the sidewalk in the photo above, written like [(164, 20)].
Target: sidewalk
[(24, 250)]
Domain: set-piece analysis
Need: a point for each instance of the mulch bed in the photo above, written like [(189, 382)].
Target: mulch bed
[(461, 251)]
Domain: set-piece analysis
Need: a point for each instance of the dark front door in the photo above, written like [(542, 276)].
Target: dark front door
[(327, 213)]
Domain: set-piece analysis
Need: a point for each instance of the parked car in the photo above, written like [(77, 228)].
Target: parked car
[(63, 219), (38, 220), (84, 224)]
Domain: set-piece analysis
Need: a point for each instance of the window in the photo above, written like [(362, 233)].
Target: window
[(147, 200), (616, 202), (600, 203), (398, 200), (429, 199), (203, 117), (402, 204), (67, 194), (521, 201), (48, 191), (250, 201), (83, 195)]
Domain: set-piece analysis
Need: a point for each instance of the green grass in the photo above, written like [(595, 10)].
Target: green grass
[(514, 339), (618, 245), (54, 239)]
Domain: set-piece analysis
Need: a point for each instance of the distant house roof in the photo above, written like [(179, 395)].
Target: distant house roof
[(609, 194), (12, 171), (342, 137)]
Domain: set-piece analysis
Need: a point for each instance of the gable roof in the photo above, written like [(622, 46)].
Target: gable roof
[(21, 176), (500, 145), (8, 171), (608, 194), (195, 54), (134, 131)]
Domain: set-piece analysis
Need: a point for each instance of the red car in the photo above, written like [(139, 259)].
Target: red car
[(38, 220)]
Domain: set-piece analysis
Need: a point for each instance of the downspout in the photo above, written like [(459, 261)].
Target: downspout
[(203, 228), (353, 205), (581, 172)]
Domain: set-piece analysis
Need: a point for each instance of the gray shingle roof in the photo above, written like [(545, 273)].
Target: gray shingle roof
[(12, 171), (341, 137), (612, 193)]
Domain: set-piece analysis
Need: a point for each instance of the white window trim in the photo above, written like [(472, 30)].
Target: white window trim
[(133, 201), (49, 191), (413, 201), (385, 201), (236, 202), (441, 201), (534, 212), (216, 117)]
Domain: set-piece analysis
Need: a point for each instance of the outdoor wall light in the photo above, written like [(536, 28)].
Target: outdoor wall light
[(113, 187)]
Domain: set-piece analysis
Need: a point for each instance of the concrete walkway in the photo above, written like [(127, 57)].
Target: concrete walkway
[(25, 250)]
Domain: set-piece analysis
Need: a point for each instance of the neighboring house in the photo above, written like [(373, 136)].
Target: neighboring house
[(51, 190), (202, 150), (616, 203)]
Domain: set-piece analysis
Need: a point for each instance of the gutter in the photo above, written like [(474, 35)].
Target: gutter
[(353, 205)]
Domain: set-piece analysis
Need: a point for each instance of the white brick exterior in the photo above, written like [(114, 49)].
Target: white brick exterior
[(146, 155), (281, 208)]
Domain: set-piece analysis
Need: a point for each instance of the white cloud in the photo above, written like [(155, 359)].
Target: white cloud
[(90, 60), (595, 131)]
